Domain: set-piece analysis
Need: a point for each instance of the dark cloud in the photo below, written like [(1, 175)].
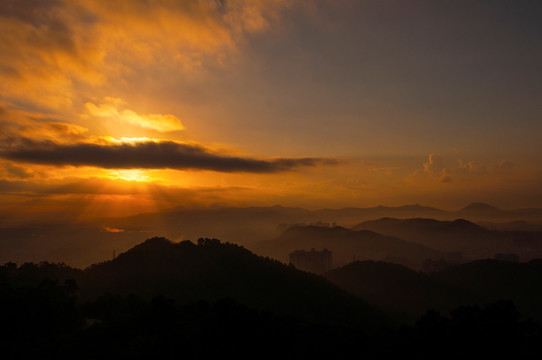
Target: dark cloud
[(35, 12), (16, 172), (7, 186), (43, 15), (148, 155)]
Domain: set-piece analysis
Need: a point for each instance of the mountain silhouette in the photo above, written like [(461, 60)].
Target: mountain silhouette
[(480, 206), (82, 243), (211, 270), (481, 210), (474, 241), (400, 291), (346, 244)]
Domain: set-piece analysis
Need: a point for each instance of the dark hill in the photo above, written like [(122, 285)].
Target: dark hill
[(484, 281), (211, 270), (407, 294), (346, 244), (420, 225), (402, 292)]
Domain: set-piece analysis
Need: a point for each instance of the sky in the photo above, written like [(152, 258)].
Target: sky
[(111, 108)]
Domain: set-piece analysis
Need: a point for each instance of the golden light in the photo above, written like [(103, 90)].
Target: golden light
[(128, 140), (130, 175), (112, 110)]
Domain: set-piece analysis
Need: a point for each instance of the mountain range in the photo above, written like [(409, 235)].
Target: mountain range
[(473, 241), (86, 242)]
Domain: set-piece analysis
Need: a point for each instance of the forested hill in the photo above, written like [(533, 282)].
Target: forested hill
[(209, 271), (408, 294)]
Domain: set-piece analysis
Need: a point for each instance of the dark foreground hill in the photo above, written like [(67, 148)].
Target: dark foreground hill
[(407, 294), (210, 270)]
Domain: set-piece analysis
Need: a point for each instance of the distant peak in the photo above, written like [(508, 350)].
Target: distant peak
[(478, 206)]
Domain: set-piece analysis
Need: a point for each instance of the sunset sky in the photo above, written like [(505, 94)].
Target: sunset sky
[(110, 108)]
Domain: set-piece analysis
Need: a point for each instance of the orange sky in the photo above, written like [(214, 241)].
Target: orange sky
[(109, 108)]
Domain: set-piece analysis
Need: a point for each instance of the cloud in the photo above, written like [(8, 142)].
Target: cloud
[(50, 43), (434, 164), (12, 171), (505, 167), (56, 131), (112, 230), (67, 46), (471, 167), (464, 171), (445, 178), (435, 167), (383, 170), (21, 124), (110, 110), (148, 155), (106, 187)]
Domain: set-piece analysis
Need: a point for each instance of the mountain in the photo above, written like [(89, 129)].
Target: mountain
[(211, 270), (474, 241), (481, 207), (481, 210), (352, 215), (346, 244), (408, 294), (484, 212), (400, 291), (484, 281)]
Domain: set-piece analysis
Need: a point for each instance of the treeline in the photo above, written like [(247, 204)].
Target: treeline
[(46, 321)]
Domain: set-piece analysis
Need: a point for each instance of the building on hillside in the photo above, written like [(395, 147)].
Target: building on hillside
[(314, 261)]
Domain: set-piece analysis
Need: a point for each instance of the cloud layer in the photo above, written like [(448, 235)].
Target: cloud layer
[(158, 122), (65, 46), (149, 155)]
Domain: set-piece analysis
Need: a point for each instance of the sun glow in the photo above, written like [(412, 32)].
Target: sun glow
[(129, 140), (130, 175)]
